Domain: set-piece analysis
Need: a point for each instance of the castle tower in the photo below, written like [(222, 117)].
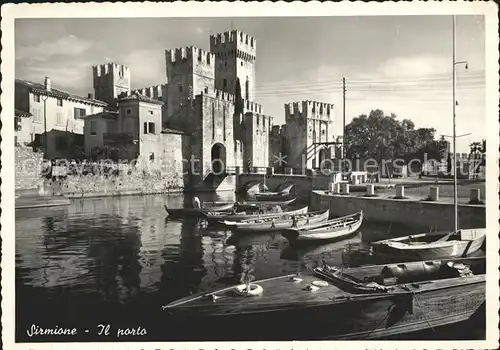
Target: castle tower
[(308, 124), (235, 58), (110, 80), (190, 72)]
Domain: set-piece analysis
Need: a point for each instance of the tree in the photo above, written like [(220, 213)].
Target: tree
[(383, 137)]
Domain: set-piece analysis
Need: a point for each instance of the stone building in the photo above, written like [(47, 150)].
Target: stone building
[(110, 81), (235, 54), (308, 125), (200, 98), (52, 113), (134, 132)]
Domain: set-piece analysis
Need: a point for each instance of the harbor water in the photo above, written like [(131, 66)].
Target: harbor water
[(116, 261)]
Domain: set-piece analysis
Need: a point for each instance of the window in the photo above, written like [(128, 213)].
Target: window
[(264, 122), (225, 63), (37, 116), (80, 113), (149, 128), (151, 112), (258, 120), (59, 102), (323, 132), (36, 97), (180, 88), (129, 111), (93, 128), (60, 118), (151, 157), (206, 89)]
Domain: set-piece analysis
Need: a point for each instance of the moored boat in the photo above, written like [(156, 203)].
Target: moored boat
[(254, 205), (221, 217), (334, 229), (284, 194), (278, 223), (369, 302), (181, 212), (431, 245)]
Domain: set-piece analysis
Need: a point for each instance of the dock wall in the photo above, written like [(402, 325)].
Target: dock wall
[(419, 214)]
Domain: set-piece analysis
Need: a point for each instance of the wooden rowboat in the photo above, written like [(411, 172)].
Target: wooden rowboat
[(280, 223), (256, 205), (284, 194), (335, 229), (432, 245), (371, 302), (180, 212), (221, 217)]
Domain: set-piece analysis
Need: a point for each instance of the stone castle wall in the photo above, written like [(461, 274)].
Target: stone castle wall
[(28, 167)]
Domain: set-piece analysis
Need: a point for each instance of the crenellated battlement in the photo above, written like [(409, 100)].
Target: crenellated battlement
[(309, 109), (278, 130), (114, 69), (224, 96), (155, 91), (249, 106), (189, 53), (232, 37)]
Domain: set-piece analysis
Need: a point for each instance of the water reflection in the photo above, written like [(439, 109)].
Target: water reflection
[(125, 251)]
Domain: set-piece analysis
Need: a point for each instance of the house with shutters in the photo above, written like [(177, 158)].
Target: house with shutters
[(50, 119)]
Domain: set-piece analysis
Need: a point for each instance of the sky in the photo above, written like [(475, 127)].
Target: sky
[(399, 64)]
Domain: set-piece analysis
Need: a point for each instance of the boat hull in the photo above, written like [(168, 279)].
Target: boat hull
[(454, 249), (277, 225), (371, 318), (335, 231), (242, 217), (272, 197)]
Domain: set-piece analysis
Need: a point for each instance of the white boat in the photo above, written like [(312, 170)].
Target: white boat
[(432, 245), (279, 223), (334, 229)]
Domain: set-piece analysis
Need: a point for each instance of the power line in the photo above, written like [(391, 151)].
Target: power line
[(383, 80), (399, 90), (336, 85)]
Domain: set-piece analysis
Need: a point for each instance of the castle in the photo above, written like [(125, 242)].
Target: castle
[(200, 105), (202, 121)]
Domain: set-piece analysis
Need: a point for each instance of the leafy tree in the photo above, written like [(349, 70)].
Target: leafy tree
[(383, 137)]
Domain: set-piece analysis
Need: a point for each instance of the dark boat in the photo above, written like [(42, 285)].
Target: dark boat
[(369, 302), (330, 230), (197, 212)]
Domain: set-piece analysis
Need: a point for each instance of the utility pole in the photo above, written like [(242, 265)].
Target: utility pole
[(342, 154)]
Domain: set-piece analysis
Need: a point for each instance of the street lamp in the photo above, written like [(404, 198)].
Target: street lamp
[(44, 98), (455, 63)]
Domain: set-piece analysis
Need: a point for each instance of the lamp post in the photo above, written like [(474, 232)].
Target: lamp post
[(455, 63), (44, 98)]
